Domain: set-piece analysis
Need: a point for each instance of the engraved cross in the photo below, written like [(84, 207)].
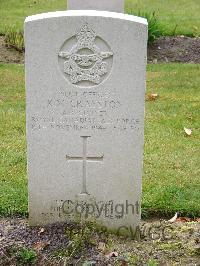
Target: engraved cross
[(84, 158)]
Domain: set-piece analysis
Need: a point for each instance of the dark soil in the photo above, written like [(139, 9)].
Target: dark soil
[(9, 54), (161, 243), (166, 49), (175, 49)]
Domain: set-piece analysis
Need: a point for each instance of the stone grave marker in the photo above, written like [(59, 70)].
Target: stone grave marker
[(104, 5), (85, 89)]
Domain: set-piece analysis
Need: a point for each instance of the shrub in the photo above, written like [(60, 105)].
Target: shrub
[(26, 256), (14, 38)]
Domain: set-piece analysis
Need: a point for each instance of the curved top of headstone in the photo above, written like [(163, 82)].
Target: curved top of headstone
[(90, 13), (104, 5)]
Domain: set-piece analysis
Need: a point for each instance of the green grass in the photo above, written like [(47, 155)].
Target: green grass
[(171, 178), (13, 12), (180, 14), (179, 17), (13, 180)]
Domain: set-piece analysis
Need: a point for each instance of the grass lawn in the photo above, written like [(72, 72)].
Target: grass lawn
[(13, 180), (182, 14), (13, 12), (171, 179)]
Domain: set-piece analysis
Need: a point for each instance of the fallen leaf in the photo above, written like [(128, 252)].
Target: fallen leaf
[(183, 219), (40, 245), (151, 97), (188, 131), (173, 219), (154, 95), (101, 246), (113, 254)]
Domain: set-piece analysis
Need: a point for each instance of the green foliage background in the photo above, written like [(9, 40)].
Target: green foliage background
[(180, 17)]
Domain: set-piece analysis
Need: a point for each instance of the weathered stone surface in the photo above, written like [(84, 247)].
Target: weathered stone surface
[(103, 5), (85, 86)]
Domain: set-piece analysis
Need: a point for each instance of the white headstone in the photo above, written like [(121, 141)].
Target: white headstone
[(85, 87), (103, 5)]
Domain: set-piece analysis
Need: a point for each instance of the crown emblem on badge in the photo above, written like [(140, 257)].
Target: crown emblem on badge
[(85, 35), (85, 60)]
